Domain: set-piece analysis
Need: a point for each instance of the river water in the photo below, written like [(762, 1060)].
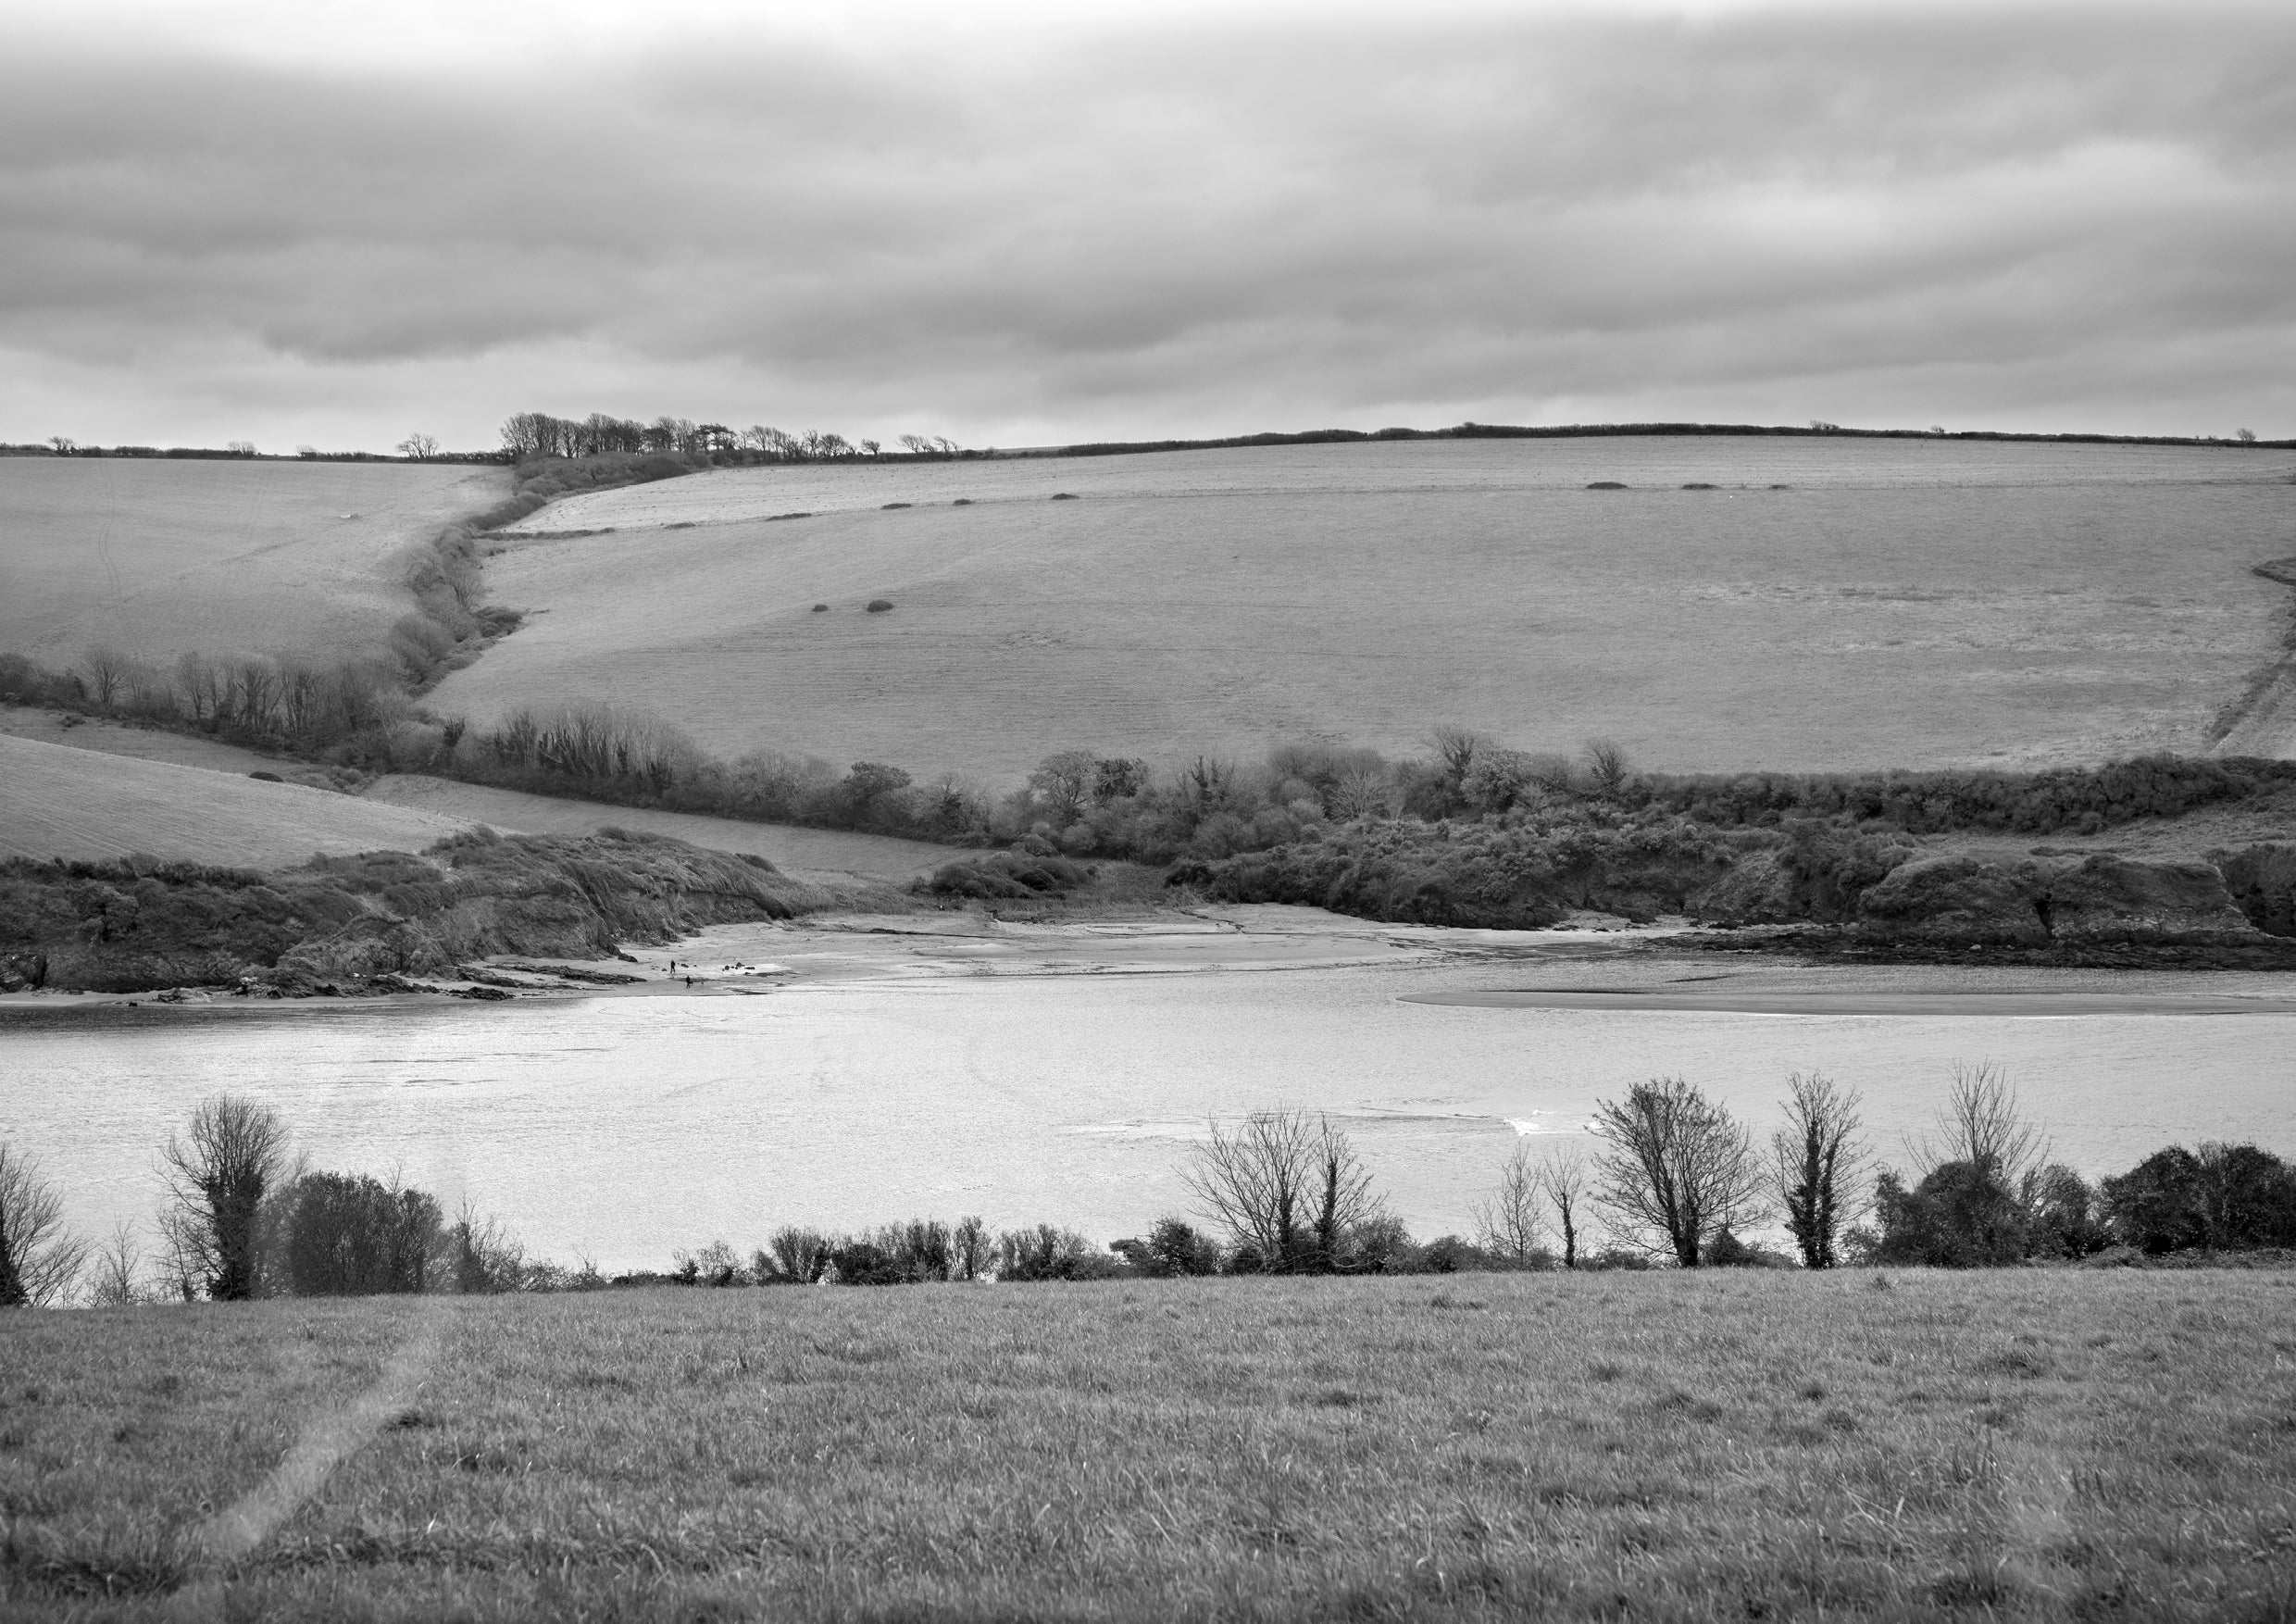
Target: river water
[(1063, 1077)]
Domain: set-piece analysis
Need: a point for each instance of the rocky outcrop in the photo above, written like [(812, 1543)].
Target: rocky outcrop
[(1975, 900), (2261, 879), (1957, 899), (2107, 898)]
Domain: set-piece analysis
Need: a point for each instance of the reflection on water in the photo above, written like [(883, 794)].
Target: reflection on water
[(622, 1128)]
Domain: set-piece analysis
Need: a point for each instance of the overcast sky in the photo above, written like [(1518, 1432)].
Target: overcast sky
[(1021, 225)]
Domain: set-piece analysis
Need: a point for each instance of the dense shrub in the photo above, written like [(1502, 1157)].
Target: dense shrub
[(344, 1235), (1174, 1247), (1047, 1252), (1007, 876), (794, 1256), (2076, 799), (1727, 1249), (1960, 1215), (1520, 874), (2065, 1218), (2228, 1197)]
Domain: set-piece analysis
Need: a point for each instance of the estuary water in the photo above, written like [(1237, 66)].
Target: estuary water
[(1063, 1077)]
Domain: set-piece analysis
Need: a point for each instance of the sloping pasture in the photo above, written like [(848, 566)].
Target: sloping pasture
[(2003, 604), (800, 851), (160, 557), (56, 801), (792, 850), (724, 495)]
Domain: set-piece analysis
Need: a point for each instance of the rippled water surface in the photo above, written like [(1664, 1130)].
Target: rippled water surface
[(623, 1127)]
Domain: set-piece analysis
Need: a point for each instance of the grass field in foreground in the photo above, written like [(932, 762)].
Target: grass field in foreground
[(1900, 605), (58, 802), (161, 557), (1619, 1446)]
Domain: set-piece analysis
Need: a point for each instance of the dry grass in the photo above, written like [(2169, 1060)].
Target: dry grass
[(160, 557), (1765, 1446), (2017, 607), (58, 802)]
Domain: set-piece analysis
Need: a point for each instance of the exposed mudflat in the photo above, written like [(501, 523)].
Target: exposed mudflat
[(2048, 1000)]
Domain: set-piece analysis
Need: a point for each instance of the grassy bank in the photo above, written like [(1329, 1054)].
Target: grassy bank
[(1755, 1445)]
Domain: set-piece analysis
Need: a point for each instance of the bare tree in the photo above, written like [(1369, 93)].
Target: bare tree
[(1455, 749), (39, 1259), (1365, 788), (116, 1274), (1678, 1169), (1820, 1167), (421, 447), (1064, 781), (1506, 1222), (1982, 1125), (1606, 765), (1563, 1178), (801, 1254), (108, 670), (1288, 1189), (970, 1248), (482, 1257), (1552, 773), (199, 685), (217, 1172)]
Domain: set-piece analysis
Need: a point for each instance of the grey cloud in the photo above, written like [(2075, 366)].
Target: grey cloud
[(1124, 226)]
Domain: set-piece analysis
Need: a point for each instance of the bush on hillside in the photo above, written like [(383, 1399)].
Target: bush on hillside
[(1006, 876)]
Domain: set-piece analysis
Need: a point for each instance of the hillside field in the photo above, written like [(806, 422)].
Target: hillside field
[(818, 852), (2014, 1445), (159, 557), (1899, 604), (58, 802), (438, 803)]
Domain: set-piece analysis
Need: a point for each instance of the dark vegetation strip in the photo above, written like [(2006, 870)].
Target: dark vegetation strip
[(360, 923), (1471, 833), (451, 625), (1630, 431)]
